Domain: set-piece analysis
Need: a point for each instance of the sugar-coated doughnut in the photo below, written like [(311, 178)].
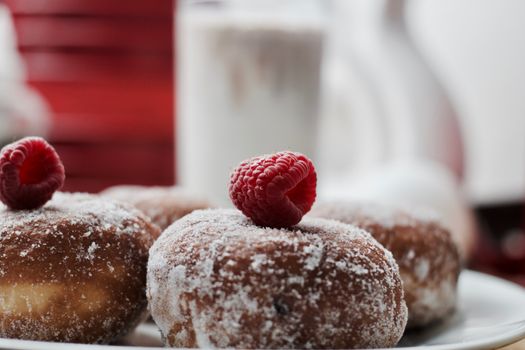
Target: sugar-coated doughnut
[(74, 270), (217, 280), (163, 205), (427, 256)]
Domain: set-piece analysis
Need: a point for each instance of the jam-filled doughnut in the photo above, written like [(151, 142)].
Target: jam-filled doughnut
[(73, 270), (217, 280), (428, 259), (163, 205)]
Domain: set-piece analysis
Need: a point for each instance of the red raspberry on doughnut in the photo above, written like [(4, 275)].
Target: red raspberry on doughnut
[(30, 172), (274, 190)]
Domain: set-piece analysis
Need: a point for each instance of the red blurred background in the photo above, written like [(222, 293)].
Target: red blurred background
[(105, 68)]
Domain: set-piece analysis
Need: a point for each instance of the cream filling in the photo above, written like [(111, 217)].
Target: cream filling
[(27, 298)]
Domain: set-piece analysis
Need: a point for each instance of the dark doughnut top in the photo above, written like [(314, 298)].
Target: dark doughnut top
[(79, 262), (221, 256), (163, 205), (427, 256)]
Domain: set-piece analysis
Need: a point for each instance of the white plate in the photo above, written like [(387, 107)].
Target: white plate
[(491, 314)]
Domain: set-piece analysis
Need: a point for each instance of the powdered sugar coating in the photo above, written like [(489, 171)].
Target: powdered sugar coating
[(217, 280), (427, 257), (74, 270), (163, 205)]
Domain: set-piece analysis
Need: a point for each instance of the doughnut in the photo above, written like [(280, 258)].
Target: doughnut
[(163, 205), (217, 280), (427, 256), (73, 270)]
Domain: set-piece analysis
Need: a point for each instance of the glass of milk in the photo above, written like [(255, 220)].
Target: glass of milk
[(247, 75)]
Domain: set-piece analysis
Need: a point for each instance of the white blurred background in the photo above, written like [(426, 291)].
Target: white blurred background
[(477, 48)]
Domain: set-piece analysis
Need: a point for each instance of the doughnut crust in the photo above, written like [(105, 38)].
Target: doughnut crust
[(74, 270), (428, 259), (163, 205), (217, 280)]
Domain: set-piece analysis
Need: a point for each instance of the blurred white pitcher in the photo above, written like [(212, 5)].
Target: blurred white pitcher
[(22, 110), (247, 84)]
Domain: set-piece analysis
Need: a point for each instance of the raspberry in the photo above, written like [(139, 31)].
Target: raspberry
[(274, 190), (30, 172)]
